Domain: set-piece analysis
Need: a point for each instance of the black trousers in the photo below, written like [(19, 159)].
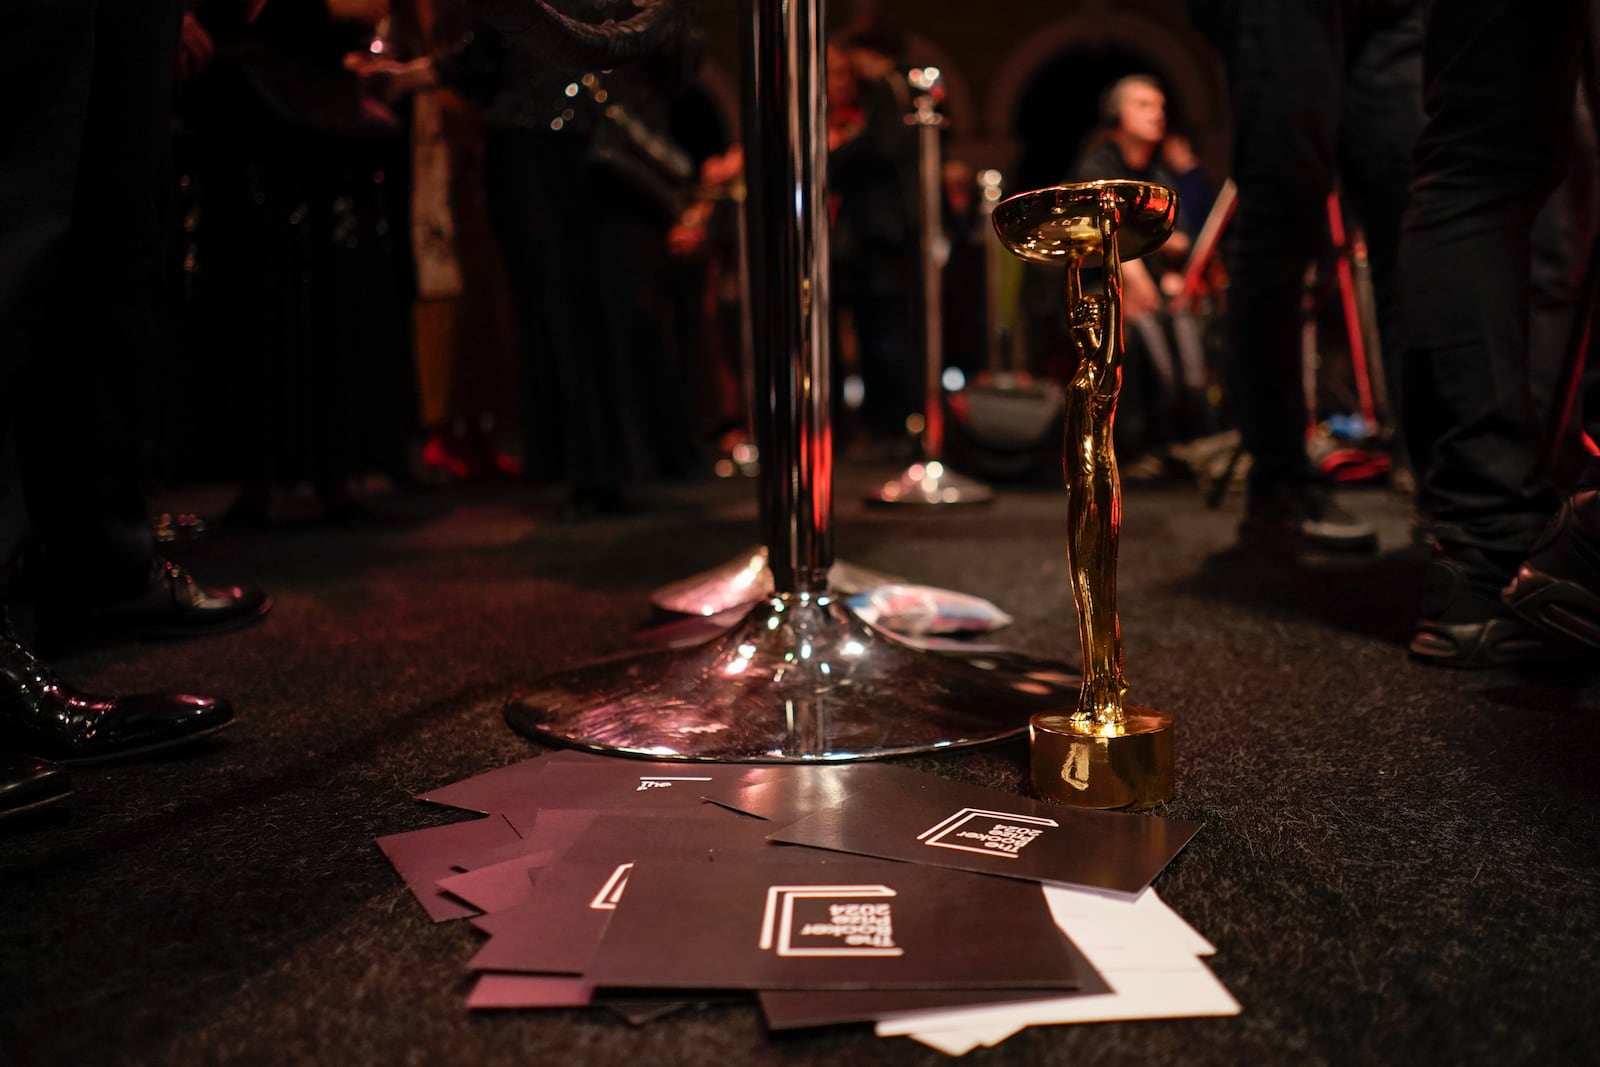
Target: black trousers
[(1500, 87), (1323, 91), (82, 184), (890, 370)]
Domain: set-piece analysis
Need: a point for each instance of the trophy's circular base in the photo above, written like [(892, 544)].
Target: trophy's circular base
[(799, 679), (1106, 767), (747, 578), (931, 483)]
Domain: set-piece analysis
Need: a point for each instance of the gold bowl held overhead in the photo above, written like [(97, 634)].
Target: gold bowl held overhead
[(1061, 224)]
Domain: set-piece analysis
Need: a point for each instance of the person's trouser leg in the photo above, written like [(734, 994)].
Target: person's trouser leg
[(1499, 90), (81, 439), (1286, 74), (39, 159), (1382, 116)]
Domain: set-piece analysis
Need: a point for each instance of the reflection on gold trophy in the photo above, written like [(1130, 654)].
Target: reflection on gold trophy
[(1101, 754)]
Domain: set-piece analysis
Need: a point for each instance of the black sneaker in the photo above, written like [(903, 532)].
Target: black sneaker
[(1304, 518), (1461, 622), (1558, 587)]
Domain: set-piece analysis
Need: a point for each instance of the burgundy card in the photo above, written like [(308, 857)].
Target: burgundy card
[(498, 885), (786, 793), (511, 933), (510, 991), (575, 780), (423, 857), (837, 923), (529, 991), (569, 903), (481, 792), (928, 820)]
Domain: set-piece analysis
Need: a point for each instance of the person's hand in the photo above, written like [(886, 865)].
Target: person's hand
[(195, 50), (723, 169), (684, 240), (688, 235), (1140, 295), (392, 79), (1178, 154), (362, 12)]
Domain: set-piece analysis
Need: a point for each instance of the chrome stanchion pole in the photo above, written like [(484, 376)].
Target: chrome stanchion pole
[(746, 578), (799, 678), (991, 187), (929, 481)]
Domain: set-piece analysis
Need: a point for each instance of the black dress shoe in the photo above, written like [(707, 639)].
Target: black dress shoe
[(28, 784), (173, 605), (41, 714)]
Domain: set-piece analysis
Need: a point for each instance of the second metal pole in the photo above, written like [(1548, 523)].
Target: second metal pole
[(930, 481)]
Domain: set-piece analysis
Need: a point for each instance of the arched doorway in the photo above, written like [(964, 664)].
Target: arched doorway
[(1046, 97), (1061, 107)]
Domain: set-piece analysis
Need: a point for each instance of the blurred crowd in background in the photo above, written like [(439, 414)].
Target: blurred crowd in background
[(395, 254)]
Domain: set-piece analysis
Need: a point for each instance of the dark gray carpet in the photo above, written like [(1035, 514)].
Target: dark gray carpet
[(1399, 864)]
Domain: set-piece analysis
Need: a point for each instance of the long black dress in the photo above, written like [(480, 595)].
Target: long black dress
[(583, 253)]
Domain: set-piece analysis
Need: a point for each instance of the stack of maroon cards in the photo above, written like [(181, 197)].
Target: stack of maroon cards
[(849, 893)]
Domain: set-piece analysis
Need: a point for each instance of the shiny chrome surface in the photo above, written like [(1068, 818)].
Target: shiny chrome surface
[(786, 166), (925, 116), (746, 579), (747, 326), (929, 482), (1060, 224), (799, 679), (991, 189), (1096, 755)]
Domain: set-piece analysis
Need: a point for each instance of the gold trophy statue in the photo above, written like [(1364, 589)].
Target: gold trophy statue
[(1102, 754)]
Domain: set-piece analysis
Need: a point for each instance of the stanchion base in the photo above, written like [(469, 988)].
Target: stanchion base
[(746, 579), (931, 483), (800, 679), (1077, 763)]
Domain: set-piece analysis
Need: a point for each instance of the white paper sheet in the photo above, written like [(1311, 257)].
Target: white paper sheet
[(1143, 949), (951, 1044)]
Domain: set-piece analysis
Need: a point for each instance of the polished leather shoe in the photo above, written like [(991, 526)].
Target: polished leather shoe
[(28, 784), (40, 714), (174, 605)]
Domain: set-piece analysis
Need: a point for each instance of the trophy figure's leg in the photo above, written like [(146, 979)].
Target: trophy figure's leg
[(1101, 754), (799, 678), (929, 481)]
